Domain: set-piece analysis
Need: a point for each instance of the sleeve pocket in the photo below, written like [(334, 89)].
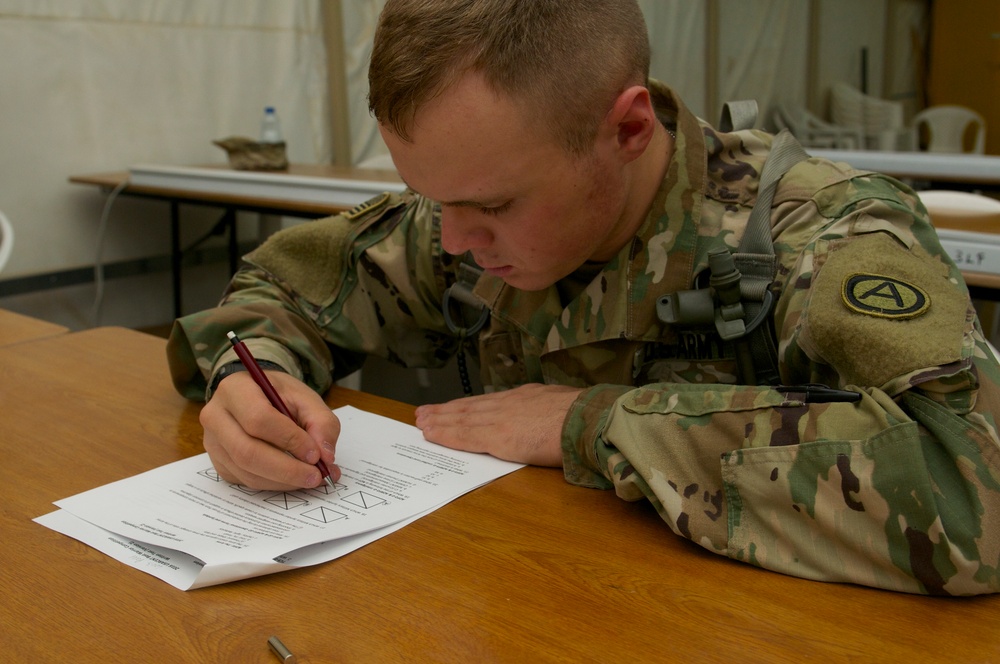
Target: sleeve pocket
[(836, 510)]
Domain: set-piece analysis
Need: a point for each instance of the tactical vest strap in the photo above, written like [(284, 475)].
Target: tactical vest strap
[(742, 291), (756, 244), (755, 259)]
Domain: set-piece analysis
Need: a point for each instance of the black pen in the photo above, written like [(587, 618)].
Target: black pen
[(817, 393), (272, 395)]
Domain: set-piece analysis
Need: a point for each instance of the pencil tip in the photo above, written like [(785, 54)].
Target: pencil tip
[(329, 482)]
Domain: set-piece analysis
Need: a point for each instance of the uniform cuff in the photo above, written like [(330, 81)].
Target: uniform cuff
[(263, 350), (581, 430)]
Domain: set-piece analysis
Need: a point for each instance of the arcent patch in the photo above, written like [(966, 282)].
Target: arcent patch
[(884, 297)]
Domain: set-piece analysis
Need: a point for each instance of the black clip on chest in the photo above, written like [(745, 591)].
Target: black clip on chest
[(719, 304), (460, 293)]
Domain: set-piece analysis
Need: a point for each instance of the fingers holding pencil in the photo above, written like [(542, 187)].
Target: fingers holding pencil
[(259, 377), (254, 442)]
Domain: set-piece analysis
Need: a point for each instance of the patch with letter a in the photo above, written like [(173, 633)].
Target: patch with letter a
[(884, 297)]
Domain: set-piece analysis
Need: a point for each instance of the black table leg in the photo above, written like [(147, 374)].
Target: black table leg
[(234, 247), (176, 255)]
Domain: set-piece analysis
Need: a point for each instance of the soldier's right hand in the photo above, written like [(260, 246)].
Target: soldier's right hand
[(253, 444)]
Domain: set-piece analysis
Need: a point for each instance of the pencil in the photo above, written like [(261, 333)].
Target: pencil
[(272, 394)]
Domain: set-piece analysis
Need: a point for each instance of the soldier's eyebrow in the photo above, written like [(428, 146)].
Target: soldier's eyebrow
[(474, 204), (499, 200)]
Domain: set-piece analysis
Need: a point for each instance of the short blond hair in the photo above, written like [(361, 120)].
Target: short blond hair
[(568, 59)]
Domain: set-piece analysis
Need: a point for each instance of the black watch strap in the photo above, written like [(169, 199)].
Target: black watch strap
[(236, 366)]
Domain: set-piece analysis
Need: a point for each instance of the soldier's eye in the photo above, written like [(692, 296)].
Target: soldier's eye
[(494, 211)]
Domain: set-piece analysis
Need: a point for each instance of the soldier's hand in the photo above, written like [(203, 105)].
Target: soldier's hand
[(522, 425), (247, 438)]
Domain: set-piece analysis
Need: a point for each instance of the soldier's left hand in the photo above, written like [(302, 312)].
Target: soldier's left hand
[(522, 425)]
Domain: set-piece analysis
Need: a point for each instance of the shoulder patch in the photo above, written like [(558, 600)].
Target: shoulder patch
[(872, 329), (884, 297), (368, 206)]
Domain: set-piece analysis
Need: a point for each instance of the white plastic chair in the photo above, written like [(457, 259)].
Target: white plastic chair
[(946, 128), (6, 240), (876, 118), (811, 131)]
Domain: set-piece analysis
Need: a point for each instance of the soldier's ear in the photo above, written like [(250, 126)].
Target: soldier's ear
[(631, 122)]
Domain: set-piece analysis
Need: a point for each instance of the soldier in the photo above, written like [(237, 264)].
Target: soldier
[(829, 416)]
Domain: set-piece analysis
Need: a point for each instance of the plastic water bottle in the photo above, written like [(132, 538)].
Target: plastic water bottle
[(270, 128)]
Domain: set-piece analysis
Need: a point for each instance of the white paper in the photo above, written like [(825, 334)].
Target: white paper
[(186, 526)]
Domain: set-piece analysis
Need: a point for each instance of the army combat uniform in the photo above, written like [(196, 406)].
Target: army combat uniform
[(899, 489)]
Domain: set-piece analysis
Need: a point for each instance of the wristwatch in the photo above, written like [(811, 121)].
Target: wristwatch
[(236, 366)]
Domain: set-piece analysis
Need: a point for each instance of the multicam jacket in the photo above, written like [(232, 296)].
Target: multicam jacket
[(899, 490)]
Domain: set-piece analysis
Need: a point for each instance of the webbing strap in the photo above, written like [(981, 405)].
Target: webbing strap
[(739, 114), (785, 153), (755, 257)]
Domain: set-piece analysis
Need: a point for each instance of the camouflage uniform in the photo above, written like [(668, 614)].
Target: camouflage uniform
[(900, 490)]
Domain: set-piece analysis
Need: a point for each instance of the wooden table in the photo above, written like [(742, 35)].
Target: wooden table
[(16, 328), (527, 568), (217, 195)]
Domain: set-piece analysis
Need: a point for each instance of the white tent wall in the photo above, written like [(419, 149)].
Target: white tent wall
[(712, 51), (360, 17), (848, 27), (92, 86), (907, 38), (678, 39), (762, 53), (98, 85), (786, 51), (893, 35)]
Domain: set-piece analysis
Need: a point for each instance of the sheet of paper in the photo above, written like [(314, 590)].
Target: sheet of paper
[(186, 572), (185, 525)]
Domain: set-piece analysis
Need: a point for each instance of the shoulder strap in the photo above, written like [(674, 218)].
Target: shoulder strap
[(755, 257), (756, 247)]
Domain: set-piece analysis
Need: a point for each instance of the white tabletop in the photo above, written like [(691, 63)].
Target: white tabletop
[(974, 168)]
